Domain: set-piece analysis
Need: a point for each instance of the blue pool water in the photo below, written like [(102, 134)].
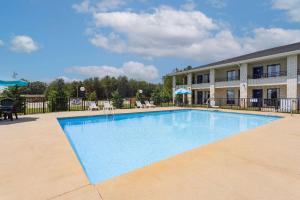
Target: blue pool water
[(108, 146)]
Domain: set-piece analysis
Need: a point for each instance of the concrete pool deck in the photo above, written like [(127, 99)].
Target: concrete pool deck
[(37, 162)]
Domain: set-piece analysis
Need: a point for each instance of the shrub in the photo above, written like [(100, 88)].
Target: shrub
[(117, 99), (92, 96), (57, 97), (156, 97)]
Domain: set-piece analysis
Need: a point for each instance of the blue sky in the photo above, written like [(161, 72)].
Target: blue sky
[(143, 39)]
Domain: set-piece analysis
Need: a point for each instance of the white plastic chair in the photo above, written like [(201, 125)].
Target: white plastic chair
[(149, 105), (93, 106), (107, 106), (139, 104)]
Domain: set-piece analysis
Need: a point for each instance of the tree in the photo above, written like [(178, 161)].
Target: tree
[(109, 85), (117, 99), (57, 95), (139, 96), (167, 87), (188, 68), (123, 86), (92, 96), (36, 88), (156, 96)]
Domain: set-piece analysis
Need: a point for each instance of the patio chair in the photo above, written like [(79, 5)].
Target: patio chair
[(93, 106), (152, 104), (7, 109), (149, 105), (139, 104), (107, 106)]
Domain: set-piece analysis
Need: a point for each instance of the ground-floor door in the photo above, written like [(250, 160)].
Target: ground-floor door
[(257, 94), (200, 97)]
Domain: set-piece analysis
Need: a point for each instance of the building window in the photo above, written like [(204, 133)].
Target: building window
[(230, 96), (199, 79), (274, 70), (273, 93), (203, 78), (258, 72), (231, 75)]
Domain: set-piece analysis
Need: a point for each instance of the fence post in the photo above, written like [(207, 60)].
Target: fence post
[(52, 105), (69, 103), (82, 104), (83, 101), (43, 104), (24, 105)]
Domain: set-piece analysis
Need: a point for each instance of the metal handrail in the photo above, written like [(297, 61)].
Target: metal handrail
[(267, 75)]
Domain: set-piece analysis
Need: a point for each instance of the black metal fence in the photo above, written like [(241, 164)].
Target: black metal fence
[(35, 105), (284, 105)]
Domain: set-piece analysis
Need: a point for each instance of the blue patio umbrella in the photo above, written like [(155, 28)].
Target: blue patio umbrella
[(13, 83), (183, 91)]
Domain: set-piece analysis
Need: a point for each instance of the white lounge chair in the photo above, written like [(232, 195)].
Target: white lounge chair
[(152, 103), (149, 105), (107, 106), (93, 106), (139, 104)]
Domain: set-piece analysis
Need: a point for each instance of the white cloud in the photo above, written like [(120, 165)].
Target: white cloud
[(167, 32), (189, 5), (1, 43), (102, 6), (179, 33), (292, 7), (217, 3), (67, 79), (267, 38), (82, 7), (130, 69), (23, 44), (106, 5)]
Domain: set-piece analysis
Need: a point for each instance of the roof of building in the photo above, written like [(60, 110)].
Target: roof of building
[(258, 54)]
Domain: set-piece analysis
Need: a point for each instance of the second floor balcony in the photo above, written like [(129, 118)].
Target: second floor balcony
[(228, 78), (267, 75), (274, 78)]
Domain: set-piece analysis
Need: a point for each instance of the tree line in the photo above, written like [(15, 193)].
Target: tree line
[(98, 89)]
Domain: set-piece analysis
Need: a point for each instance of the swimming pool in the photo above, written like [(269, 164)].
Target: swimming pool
[(108, 146)]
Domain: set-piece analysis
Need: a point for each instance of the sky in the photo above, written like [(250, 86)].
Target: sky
[(142, 39)]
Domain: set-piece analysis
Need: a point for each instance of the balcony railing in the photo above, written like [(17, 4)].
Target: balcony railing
[(226, 79), (201, 82), (267, 75)]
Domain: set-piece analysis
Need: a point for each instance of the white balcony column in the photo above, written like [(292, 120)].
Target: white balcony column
[(174, 88), (244, 84), (196, 97), (212, 87), (189, 87), (292, 82)]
